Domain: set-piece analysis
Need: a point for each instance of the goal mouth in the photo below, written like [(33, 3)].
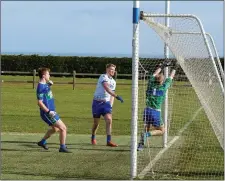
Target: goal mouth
[(195, 104)]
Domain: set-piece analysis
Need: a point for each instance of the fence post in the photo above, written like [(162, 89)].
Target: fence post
[(74, 77), (115, 75), (34, 76)]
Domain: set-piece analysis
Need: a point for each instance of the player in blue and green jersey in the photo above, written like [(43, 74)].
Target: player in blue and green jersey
[(155, 96), (47, 111)]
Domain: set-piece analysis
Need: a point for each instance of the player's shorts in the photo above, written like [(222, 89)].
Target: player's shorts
[(101, 108), (50, 120), (152, 116)]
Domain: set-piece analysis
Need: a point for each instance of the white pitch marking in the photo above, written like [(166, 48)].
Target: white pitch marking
[(158, 156)]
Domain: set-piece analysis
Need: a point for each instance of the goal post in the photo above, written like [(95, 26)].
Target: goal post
[(135, 64), (195, 103)]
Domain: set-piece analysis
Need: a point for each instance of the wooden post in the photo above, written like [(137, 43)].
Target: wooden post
[(115, 75), (34, 78), (74, 79)]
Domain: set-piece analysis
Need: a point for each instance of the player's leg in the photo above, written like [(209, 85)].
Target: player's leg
[(107, 113), (158, 127), (48, 134), (96, 112), (58, 123), (158, 131), (62, 132), (146, 120), (52, 130), (94, 130), (108, 121)]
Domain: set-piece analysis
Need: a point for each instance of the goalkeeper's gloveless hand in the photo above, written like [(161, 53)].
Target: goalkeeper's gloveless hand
[(119, 98)]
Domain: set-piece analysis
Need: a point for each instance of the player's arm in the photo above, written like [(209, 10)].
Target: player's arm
[(169, 80), (106, 87), (40, 103), (111, 100), (112, 93), (161, 66), (42, 106), (172, 74), (157, 71)]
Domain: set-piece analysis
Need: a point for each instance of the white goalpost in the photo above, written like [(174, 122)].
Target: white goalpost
[(192, 146)]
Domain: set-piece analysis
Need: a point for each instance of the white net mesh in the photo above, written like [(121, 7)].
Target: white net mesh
[(196, 112)]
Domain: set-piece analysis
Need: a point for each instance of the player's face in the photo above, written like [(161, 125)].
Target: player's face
[(161, 79), (46, 76), (111, 71)]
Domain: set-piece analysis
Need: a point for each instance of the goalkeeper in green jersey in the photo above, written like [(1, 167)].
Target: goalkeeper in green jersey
[(155, 96)]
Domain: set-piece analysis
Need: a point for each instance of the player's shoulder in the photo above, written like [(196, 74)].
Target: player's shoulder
[(41, 87), (103, 76)]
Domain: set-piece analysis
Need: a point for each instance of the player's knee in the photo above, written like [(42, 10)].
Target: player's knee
[(62, 127), (55, 129)]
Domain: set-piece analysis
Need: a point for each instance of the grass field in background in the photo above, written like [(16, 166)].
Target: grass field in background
[(22, 128)]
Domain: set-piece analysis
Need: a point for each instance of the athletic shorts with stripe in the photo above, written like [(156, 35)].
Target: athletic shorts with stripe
[(50, 120)]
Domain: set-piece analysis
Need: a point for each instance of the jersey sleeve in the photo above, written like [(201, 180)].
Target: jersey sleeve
[(103, 78), (151, 81), (167, 83), (40, 92)]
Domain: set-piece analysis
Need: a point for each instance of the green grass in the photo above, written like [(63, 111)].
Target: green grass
[(23, 160), (197, 154)]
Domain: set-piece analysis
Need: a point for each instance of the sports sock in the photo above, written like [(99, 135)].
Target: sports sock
[(62, 146), (92, 137), (148, 134), (43, 141), (108, 138)]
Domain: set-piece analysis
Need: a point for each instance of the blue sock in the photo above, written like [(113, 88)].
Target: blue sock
[(92, 137), (62, 146), (108, 138), (148, 134), (43, 141)]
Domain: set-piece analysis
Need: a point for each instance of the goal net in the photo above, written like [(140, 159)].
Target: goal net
[(195, 104)]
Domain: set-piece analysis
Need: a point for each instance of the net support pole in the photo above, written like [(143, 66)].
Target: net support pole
[(166, 74), (135, 61)]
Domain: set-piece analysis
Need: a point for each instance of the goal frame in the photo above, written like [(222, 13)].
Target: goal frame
[(137, 16)]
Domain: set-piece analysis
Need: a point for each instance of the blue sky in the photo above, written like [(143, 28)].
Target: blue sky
[(95, 27)]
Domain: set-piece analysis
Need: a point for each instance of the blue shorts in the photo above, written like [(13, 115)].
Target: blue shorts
[(49, 120), (101, 108), (152, 116)]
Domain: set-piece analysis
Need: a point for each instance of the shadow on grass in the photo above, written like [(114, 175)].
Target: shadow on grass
[(63, 176), (124, 148), (73, 118)]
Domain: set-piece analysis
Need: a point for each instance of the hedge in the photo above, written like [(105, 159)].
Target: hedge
[(27, 63)]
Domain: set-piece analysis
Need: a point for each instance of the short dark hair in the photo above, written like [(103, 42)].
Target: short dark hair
[(42, 71), (110, 65)]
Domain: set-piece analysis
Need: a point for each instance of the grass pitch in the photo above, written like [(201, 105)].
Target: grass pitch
[(196, 155)]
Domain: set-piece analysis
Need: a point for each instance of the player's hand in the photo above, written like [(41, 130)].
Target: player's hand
[(165, 63), (51, 113), (50, 83), (119, 98)]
